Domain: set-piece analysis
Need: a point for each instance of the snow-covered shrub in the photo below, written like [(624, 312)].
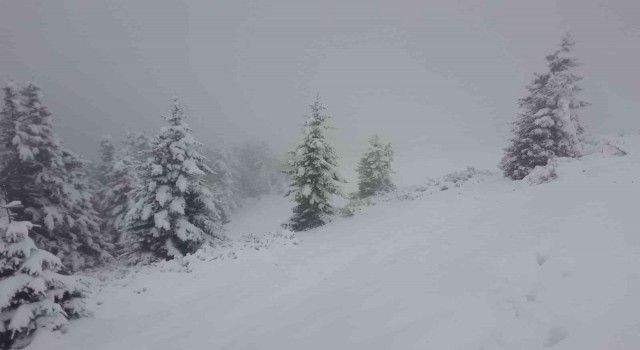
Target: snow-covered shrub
[(257, 242), (542, 174), (459, 177), (33, 295), (223, 249), (429, 187), (612, 146)]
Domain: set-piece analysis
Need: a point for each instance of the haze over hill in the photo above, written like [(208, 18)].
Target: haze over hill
[(440, 76)]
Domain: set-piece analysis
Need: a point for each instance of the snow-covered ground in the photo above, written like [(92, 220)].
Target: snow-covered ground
[(491, 264)]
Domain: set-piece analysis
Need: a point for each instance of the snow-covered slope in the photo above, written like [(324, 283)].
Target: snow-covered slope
[(492, 264)]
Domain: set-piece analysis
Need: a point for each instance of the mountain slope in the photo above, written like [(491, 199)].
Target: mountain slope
[(492, 264)]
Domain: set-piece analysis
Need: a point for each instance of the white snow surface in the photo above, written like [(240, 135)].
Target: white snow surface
[(491, 264)]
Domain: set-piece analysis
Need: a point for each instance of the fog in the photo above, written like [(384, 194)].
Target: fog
[(438, 79)]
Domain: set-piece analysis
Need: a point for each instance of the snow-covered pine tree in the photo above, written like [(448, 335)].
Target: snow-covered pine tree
[(223, 181), (82, 219), (107, 154), (48, 180), (314, 179), (374, 169), (174, 211), (9, 115), (549, 125), (33, 295), (114, 199)]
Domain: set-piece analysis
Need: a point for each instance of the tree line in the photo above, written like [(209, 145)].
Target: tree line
[(164, 196)]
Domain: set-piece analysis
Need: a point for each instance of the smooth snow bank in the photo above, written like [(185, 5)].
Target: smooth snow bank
[(492, 264)]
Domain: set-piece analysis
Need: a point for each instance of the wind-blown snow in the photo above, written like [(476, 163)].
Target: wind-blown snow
[(491, 264)]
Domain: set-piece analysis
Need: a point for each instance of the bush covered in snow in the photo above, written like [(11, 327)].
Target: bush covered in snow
[(541, 174), (429, 187), (33, 295)]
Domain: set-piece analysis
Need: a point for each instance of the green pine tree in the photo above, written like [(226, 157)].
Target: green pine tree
[(374, 169), (312, 169)]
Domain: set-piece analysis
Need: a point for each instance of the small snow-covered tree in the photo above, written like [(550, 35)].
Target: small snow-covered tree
[(374, 169), (50, 181), (174, 211), (314, 179), (549, 125), (33, 295), (114, 199)]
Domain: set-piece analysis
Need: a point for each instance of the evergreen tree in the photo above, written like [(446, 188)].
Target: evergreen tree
[(9, 115), (33, 295), (549, 125), (107, 154), (314, 179), (48, 180), (374, 169), (174, 212), (114, 198), (82, 219)]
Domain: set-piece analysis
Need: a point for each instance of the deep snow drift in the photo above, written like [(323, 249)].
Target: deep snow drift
[(485, 264)]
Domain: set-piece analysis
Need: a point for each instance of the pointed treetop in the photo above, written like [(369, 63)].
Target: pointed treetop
[(317, 105), (177, 112), (561, 60), (567, 42), (11, 100), (316, 118), (33, 90), (107, 149)]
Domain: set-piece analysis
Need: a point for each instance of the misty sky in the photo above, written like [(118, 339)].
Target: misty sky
[(439, 79)]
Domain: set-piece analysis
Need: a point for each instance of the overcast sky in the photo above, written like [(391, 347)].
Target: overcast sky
[(439, 79)]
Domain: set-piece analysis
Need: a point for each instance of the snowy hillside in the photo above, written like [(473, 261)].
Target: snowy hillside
[(491, 264)]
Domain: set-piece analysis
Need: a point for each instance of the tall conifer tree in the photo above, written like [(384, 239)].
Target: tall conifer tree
[(174, 211), (50, 181), (549, 125), (312, 168)]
